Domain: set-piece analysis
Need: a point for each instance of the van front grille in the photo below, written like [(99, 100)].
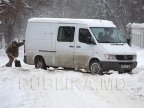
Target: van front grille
[(124, 57)]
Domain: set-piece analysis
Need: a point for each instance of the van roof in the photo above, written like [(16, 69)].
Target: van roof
[(88, 22)]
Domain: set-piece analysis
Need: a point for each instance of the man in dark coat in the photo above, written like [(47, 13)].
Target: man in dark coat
[(13, 52)]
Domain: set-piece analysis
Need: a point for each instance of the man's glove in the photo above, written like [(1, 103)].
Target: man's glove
[(11, 54)]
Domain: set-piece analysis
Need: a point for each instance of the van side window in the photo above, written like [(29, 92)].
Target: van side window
[(84, 34), (66, 34)]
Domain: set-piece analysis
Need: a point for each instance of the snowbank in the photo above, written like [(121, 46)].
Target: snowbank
[(27, 87)]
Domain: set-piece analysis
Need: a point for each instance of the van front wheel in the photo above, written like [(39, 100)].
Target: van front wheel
[(95, 68), (40, 64)]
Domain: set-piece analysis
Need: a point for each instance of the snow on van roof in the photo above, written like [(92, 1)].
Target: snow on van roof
[(89, 22)]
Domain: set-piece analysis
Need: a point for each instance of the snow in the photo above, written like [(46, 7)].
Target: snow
[(137, 25), (27, 87), (6, 1)]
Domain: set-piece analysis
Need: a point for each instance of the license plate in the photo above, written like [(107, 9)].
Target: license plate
[(125, 66)]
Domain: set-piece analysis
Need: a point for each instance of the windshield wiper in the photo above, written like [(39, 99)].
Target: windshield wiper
[(117, 44), (105, 42)]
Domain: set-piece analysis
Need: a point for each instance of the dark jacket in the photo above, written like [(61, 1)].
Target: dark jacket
[(14, 50)]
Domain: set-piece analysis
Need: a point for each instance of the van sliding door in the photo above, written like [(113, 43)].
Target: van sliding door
[(65, 45)]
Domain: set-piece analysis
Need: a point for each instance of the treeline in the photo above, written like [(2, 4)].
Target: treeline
[(14, 13)]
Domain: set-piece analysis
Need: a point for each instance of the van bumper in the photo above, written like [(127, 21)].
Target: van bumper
[(118, 66)]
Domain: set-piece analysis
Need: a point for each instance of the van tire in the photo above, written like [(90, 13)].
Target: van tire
[(95, 68), (129, 71), (40, 63), (120, 72)]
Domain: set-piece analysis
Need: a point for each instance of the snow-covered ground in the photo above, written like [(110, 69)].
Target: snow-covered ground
[(27, 87)]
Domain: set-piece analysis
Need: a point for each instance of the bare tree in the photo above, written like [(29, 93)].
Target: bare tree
[(12, 15)]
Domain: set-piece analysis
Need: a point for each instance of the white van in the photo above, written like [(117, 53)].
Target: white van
[(94, 45)]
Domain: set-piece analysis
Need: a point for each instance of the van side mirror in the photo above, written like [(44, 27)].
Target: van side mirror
[(129, 42), (89, 40)]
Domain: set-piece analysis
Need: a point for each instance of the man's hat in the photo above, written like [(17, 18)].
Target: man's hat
[(14, 42)]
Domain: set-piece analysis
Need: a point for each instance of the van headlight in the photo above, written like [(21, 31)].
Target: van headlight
[(109, 57)]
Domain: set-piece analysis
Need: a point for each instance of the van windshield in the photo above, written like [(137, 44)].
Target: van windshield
[(108, 35)]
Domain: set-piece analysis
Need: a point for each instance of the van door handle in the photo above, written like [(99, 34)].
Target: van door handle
[(71, 46), (78, 46)]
